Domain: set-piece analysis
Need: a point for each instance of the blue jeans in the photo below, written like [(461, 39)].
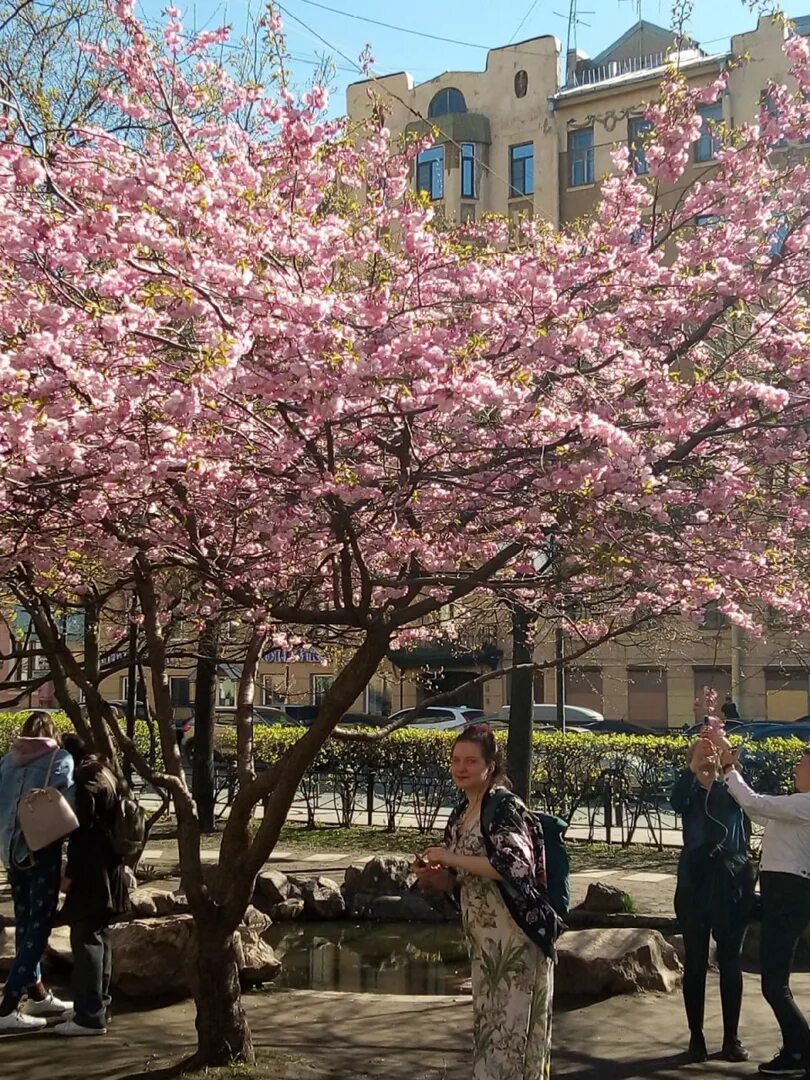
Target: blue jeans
[(35, 891)]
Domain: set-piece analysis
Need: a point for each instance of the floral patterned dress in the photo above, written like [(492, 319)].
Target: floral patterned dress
[(512, 979)]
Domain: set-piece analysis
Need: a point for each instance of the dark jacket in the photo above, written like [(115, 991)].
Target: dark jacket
[(98, 890), (713, 865), (511, 848)]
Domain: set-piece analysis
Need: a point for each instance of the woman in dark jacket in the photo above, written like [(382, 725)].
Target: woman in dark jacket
[(713, 897), (97, 893)]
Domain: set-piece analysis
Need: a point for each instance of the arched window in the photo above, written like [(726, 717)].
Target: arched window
[(446, 102)]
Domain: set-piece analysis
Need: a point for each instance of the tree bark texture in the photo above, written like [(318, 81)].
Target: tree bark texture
[(223, 1034), (202, 755), (519, 740)]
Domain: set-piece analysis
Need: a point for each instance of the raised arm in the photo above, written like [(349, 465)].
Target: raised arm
[(795, 808)]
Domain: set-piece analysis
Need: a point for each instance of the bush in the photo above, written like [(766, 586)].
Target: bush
[(562, 763), (570, 772), (11, 725)]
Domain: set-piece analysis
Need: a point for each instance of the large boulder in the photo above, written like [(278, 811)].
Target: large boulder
[(148, 902), (605, 899), (7, 950), (412, 907), (157, 957), (595, 963), (59, 949), (323, 898), (258, 962), (381, 875), (153, 956), (287, 910), (256, 920), (271, 888)]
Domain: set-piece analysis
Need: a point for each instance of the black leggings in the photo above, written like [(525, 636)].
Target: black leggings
[(785, 917), (728, 931)]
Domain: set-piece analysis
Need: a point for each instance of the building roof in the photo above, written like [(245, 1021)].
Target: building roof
[(600, 84), (643, 26)]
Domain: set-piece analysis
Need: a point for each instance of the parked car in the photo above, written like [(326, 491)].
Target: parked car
[(439, 717), (225, 720), (731, 726), (301, 714), (546, 713), (769, 730), (306, 715)]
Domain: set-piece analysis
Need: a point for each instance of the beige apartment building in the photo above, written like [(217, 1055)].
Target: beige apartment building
[(533, 134), (525, 136)]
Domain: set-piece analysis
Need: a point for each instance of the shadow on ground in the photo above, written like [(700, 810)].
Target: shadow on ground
[(309, 1035)]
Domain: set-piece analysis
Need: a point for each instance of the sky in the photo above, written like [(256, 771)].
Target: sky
[(475, 25)]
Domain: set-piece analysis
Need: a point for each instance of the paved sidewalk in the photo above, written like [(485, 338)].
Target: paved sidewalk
[(331, 1036)]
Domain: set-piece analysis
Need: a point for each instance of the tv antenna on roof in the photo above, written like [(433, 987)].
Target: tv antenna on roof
[(573, 19)]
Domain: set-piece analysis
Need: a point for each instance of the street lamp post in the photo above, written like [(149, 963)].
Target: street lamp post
[(559, 672)]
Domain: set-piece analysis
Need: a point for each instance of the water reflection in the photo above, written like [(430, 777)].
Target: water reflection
[(379, 958)]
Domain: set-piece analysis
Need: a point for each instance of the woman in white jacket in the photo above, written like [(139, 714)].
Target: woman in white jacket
[(785, 889)]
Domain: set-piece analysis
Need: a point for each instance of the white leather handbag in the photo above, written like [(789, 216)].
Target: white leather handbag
[(45, 815)]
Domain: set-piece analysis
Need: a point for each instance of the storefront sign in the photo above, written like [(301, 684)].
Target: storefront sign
[(292, 656)]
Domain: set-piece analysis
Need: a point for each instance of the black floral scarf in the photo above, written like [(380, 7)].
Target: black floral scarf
[(514, 844)]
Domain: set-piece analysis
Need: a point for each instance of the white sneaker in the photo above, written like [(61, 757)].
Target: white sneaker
[(17, 1023), (49, 1006), (71, 1028)]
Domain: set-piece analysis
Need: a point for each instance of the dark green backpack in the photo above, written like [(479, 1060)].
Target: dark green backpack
[(548, 835)]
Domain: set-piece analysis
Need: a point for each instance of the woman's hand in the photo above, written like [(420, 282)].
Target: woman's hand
[(730, 759), (433, 877), (437, 857)]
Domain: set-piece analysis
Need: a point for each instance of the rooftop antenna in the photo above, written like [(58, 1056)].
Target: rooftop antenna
[(573, 20)]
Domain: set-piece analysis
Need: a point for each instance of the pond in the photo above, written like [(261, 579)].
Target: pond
[(378, 958)]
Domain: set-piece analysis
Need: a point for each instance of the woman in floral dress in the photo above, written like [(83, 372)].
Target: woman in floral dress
[(493, 852)]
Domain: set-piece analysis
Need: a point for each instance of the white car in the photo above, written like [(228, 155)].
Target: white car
[(440, 717), (546, 713)]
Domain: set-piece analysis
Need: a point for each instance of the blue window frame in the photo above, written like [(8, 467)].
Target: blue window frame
[(447, 102), (708, 144), (637, 130), (580, 157), (469, 179), (430, 172), (521, 170), (779, 234)]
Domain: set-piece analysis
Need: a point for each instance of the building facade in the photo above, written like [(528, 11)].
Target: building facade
[(533, 134)]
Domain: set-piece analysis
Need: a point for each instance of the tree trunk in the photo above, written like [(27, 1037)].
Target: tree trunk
[(202, 763), (223, 1035), (519, 740)]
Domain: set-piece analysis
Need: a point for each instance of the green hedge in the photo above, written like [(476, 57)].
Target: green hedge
[(567, 769), (568, 762), (11, 724)]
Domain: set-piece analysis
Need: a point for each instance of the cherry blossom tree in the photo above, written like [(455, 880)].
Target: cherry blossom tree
[(242, 367)]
